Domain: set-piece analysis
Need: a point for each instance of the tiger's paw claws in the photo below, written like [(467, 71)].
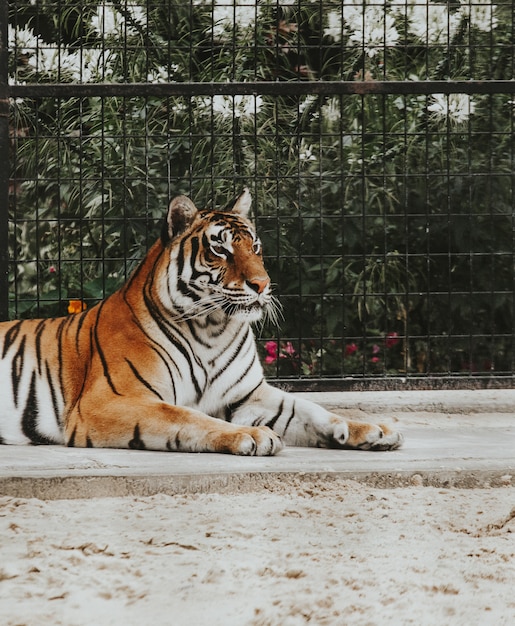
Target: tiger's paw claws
[(258, 441), (381, 438)]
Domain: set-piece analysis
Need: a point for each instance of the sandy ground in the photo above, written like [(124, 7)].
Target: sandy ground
[(301, 553)]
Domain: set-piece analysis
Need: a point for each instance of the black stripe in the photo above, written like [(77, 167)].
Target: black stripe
[(101, 354), (40, 328), (205, 241), (142, 380), (195, 247), (151, 340), (181, 256), (30, 417), (176, 446), (136, 443), (177, 344), (247, 370), (10, 337), (220, 328), (289, 419), (17, 368), (181, 286), (59, 337), (71, 440), (164, 327), (87, 366), (193, 330), (271, 422), (185, 288), (80, 321), (148, 288), (232, 359), (231, 408), (51, 386), (167, 365)]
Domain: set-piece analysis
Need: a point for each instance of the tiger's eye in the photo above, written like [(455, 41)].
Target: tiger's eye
[(219, 251)]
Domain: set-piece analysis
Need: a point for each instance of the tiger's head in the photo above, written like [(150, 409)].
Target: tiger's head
[(216, 266)]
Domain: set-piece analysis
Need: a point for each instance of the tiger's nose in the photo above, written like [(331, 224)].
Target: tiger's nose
[(258, 284)]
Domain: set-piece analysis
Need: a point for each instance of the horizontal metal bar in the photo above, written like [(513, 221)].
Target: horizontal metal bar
[(81, 90), (413, 382)]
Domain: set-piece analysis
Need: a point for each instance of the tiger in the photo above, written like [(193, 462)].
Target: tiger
[(169, 361)]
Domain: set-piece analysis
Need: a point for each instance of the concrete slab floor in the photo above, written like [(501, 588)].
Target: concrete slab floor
[(463, 439)]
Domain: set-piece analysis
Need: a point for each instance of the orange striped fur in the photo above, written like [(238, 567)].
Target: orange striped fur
[(169, 361)]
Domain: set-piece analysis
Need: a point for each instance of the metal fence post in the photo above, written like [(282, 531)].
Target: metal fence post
[(4, 163)]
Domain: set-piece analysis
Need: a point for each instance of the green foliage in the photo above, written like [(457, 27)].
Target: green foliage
[(382, 216)]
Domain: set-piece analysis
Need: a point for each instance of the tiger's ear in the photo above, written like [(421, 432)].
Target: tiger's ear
[(241, 204), (180, 216)]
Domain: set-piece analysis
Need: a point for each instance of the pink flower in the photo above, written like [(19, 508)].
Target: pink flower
[(287, 349), (52, 269), (375, 359), (376, 349), (392, 339), (271, 351), (350, 349)]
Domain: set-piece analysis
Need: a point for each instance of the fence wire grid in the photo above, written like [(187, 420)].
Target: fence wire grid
[(377, 139)]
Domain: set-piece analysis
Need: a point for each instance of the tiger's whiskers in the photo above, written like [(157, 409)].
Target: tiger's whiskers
[(201, 308), (274, 312)]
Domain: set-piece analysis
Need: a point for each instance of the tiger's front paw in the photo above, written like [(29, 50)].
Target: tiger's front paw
[(256, 441), (364, 436)]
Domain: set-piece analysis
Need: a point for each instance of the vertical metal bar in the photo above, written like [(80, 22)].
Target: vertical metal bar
[(4, 164)]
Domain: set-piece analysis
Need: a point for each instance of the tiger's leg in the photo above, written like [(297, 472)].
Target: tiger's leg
[(127, 423), (303, 423)]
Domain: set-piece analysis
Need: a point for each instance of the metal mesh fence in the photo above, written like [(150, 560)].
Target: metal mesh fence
[(377, 139)]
